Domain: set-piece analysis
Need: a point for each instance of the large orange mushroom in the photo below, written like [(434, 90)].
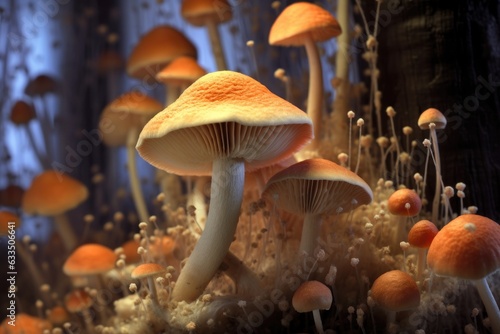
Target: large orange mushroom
[(222, 124)]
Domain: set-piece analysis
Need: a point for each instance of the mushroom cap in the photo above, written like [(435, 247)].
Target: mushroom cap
[(181, 71), (467, 247), (22, 112), (58, 315), (146, 270), (422, 234), (131, 110), (52, 193), (431, 115), (156, 49), (89, 259), (25, 324), (11, 196), (399, 199), (395, 291), (317, 186), (40, 85), (310, 296), (223, 114), (77, 301), (5, 218), (130, 249), (197, 12), (302, 20)]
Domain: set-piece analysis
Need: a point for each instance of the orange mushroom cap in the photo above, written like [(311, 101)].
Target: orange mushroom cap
[(7, 217), (52, 193), (422, 234), (312, 295), (395, 291), (147, 270), (22, 112), (41, 85), (156, 49), (77, 301), (404, 202), (431, 115), (25, 324), (317, 186), (302, 20), (181, 71), (467, 247), (89, 259), (197, 12), (223, 114), (130, 251)]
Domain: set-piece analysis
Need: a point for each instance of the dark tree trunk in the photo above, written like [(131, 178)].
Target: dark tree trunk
[(446, 55)]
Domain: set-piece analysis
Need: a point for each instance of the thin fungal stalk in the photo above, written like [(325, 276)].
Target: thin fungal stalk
[(489, 303), (310, 234), (215, 41), (226, 195), (437, 192), (137, 195), (65, 231), (315, 93)]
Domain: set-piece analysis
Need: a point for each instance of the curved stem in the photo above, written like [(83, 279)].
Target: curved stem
[(437, 192), (226, 195), (315, 95), (310, 234), (217, 50), (135, 185), (489, 303)]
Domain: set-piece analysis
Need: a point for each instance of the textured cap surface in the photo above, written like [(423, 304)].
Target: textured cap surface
[(431, 115), (197, 12), (181, 71), (310, 296), (223, 114), (89, 259), (156, 49), (467, 247), (317, 186), (52, 193), (302, 20), (404, 202), (422, 234), (395, 291)]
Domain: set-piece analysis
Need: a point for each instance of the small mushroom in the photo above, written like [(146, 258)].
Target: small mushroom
[(149, 271), (421, 236), (313, 296)]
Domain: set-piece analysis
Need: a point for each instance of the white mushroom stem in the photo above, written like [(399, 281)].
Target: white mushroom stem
[(226, 195), (172, 93), (217, 50), (489, 303), (317, 321), (437, 192), (421, 263), (315, 94), (65, 231), (135, 185), (152, 290), (310, 234)]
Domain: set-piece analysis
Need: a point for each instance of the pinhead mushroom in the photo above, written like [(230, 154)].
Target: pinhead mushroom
[(421, 236), (395, 291), (468, 247), (433, 120), (156, 49), (304, 24), (222, 124), (52, 194), (313, 188), (312, 296), (210, 14)]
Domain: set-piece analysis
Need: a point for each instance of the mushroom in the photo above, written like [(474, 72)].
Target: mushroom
[(79, 301), (313, 296), (421, 236), (468, 247), (395, 291), (209, 13), (52, 194), (403, 203), (304, 24), (222, 124), (432, 119), (25, 323), (120, 124), (314, 188), (148, 271), (90, 260), (156, 49)]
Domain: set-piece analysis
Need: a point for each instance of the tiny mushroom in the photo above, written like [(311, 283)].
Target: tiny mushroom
[(403, 203), (432, 119), (79, 301), (148, 271), (313, 296), (222, 124), (468, 247), (304, 24), (421, 236), (313, 188), (52, 193), (395, 291)]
